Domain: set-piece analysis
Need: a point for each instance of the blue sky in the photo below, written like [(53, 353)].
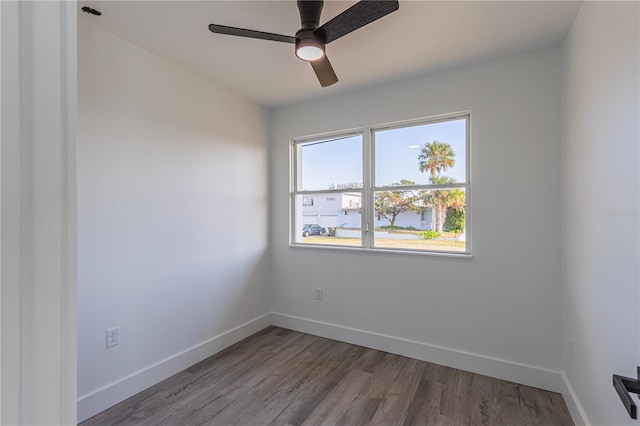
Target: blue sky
[(396, 150)]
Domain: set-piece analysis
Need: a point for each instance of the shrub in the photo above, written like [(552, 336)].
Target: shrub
[(397, 228), (332, 231), (454, 221), (430, 235)]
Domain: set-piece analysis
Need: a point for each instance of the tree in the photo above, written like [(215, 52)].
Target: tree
[(443, 199), (389, 204), (435, 157)]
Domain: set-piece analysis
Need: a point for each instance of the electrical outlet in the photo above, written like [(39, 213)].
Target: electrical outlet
[(113, 337), (571, 347), (319, 294)]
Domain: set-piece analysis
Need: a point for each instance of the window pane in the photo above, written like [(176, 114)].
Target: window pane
[(425, 154), (332, 164), (329, 219), (420, 220)]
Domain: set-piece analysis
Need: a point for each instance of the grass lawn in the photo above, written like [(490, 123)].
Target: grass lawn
[(441, 245)]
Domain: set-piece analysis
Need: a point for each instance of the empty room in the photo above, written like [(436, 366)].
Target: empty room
[(370, 212)]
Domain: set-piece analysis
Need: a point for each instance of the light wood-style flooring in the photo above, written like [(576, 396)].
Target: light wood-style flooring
[(282, 377)]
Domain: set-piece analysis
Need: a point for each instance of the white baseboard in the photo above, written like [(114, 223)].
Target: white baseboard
[(573, 403), (103, 398), (502, 369)]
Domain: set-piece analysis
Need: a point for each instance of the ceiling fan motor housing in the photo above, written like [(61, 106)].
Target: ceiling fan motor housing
[(307, 38)]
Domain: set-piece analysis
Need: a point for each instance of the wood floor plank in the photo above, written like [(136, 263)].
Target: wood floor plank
[(219, 378), (455, 403), (294, 387), (236, 353), (263, 401), (436, 373), (402, 391), (538, 408), (440, 420), (281, 377), (273, 395), (425, 407), (560, 409), (248, 381), (175, 414), (369, 361), (506, 404), (321, 380), (336, 403), (480, 397), (259, 402), (383, 375), (206, 415), (360, 412)]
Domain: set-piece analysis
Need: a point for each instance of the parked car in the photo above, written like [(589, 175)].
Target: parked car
[(313, 229)]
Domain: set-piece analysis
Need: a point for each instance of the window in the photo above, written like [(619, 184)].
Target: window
[(402, 187)]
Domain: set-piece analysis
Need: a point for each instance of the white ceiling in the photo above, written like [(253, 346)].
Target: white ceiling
[(421, 37)]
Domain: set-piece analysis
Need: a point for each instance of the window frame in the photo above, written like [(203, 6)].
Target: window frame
[(368, 188)]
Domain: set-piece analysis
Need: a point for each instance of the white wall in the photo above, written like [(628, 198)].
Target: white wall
[(172, 216), (504, 303), (600, 210)]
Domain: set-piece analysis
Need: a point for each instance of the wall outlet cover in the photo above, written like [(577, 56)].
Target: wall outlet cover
[(113, 337)]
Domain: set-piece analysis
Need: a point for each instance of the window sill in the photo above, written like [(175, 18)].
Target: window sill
[(462, 255)]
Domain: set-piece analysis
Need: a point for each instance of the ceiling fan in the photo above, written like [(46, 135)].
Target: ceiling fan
[(311, 38)]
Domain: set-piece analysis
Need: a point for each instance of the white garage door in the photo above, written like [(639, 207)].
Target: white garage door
[(309, 219), (328, 221)]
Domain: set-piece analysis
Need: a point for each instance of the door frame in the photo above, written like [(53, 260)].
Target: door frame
[(38, 212)]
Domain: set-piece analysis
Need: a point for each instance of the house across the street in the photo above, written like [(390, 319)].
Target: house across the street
[(342, 210)]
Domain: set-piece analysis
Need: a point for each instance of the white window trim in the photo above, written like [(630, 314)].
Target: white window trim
[(368, 188)]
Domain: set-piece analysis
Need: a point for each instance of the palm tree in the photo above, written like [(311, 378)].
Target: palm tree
[(435, 157), (443, 199)]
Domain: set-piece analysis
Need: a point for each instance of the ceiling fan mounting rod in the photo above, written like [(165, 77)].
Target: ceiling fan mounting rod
[(310, 11)]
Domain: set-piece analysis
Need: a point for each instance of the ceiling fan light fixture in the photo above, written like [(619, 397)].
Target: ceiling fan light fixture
[(309, 49), (309, 53)]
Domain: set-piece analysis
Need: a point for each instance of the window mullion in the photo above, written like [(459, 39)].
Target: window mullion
[(428, 187), (293, 187), (326, 191), (368, 168)]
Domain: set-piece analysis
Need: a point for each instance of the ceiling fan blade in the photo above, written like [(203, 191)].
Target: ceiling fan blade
[(324, 71), (221, 29), (357, 16)]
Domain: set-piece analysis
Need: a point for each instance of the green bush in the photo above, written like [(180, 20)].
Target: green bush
[(454, 221), (430, 235), (332, 231), (397, 228)]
